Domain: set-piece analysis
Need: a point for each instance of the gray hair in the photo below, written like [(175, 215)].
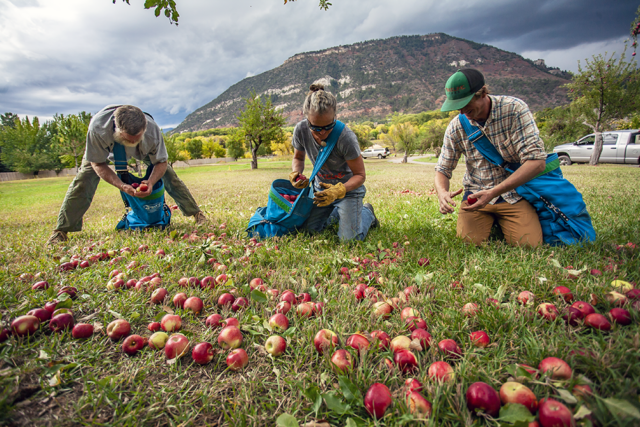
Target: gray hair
[(130, 119), (318, 100)]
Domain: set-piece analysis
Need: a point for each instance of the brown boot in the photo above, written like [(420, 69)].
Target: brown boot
[(200, 218), (57, 237)]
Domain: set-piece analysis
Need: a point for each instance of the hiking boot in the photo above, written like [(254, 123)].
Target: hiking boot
[(200, 218), (375, 222), (57, 237)]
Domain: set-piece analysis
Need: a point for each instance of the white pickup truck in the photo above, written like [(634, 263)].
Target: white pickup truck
[(621, 146)]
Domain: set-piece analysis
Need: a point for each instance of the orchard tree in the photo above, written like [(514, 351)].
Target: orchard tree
[(235, 145), (362, 133), (71, 139), (168, 7), (261, 125), (27, 147), (175, 149), (407, 136), (604, 90)]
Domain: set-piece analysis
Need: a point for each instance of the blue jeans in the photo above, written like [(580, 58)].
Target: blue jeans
[(354, 220)]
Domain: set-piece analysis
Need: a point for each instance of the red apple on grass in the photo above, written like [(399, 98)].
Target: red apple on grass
[(132, 344), (208, 282), (450, 349), (237, 359), (61, 322), (513, 392), (377, 400), (279, 322), (230, 337), (325, 340), (82, 330), (440, 371), (412, 384), (231, 321), (358, 342), (572, 316), (119, 328), (480, 339), (42, 285), (176, 346), (557, 368), (401, 342), (193, 304), (51, 306), (158, 340), (158, 296), (597, 321), (289, 297), (214, 321), (153, 326), (202, 353), (42, 314), (418, 405), (341, 361), (171, 323), (226, 300), (283, 307), (414, 323), (239, 304), (483, 398), (470, 309), (382, 338), (406, 361), (25, 325), (408, 312), (275, 345), (620, 316), (584, 307), (554, 414), (616, 298), (305, 309), (548, 311), (382, 309), (525, 296), (563, 292), (179, 299), (423, 336)]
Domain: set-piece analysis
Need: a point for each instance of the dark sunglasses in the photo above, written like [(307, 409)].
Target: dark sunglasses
[(321, 128)]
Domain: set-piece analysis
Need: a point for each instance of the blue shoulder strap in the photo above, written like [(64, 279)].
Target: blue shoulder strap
[(119, 157), (481, 142), (324, 152)]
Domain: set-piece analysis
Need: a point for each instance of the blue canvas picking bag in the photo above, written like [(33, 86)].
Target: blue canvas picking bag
[(150, 211), (280, 216), (562, 212)]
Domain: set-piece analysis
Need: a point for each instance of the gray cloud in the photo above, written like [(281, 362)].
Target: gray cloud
[(73, 55)]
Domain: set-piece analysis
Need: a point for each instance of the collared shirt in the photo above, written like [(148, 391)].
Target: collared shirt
[(511, 129), (100, 140)]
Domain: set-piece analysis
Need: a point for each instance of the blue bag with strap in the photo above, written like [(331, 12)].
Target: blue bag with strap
[(145, 212), (281, 217), (562, 212)]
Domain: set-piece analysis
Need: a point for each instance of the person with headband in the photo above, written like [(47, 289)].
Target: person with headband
[(339, 186), (142, 140)]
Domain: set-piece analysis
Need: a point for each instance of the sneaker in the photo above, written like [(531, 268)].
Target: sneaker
[(375, 222), (200, 218), (57, 237)]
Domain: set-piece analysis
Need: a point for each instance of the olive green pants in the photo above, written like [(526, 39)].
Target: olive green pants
[(83, 187)]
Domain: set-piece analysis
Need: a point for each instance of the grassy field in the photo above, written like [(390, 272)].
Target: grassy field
[(53, 379)]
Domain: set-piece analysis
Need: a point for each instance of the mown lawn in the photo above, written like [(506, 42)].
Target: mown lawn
[(53, 379)]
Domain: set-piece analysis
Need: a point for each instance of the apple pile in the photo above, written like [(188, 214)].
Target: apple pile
[(290, 197)]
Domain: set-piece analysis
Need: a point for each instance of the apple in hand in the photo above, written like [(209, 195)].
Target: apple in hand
[(171, 323), (118, 328), (158, 340), (483, 397), (132, 344), (377, 400), (202, 353), (82, 330), (230, 337), (513, 392), (275, 345), (177, 345), (325, 340)]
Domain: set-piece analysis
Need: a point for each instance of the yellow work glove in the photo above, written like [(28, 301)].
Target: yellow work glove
[(331, 194), (303, 183)]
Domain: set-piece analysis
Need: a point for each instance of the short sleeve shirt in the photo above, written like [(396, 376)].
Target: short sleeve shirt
[(511, 129), (100, 140), (335, 169)]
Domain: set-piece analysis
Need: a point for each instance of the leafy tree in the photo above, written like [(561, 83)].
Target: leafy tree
[(235, 145), (27, 147), (194, 147), (7, 120), (168, 7), (407, 136), (71, 139), (213, 147), (605, 90), (559, 125), (175, 150), (362, 133), (432, 133), (261, 125), (284, 148)]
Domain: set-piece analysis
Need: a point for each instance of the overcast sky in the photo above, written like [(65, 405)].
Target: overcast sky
[(66, 56)]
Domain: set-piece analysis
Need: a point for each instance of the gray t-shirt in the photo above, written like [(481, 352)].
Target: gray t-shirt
[(100, 140), (335, 169)]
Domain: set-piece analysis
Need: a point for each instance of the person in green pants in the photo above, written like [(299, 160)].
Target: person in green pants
[(142, 139)]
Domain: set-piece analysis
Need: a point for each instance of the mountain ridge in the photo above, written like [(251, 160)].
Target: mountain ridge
[(376, 77)]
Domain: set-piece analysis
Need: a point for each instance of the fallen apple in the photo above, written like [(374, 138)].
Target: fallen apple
[(382, 338), (214, 321), (193, 304), (237, 359), (481, 396), (358, 342), (554, 414), (230, 337), (620, 316), (119, 328), (513, 392), (557, 368), (132, 344), (61, 322), (418, 405), (480, 339), (563, 292), (406, 361), (279, 322), (202, 353), (423, 337), (82, 330), (450, 349), (275, 345), (171, 323), (584, 307), (440, 371), (25, 325), (176, 346), (341, 361), (597, 321), (158, 340), (377, 400), (325, 340)]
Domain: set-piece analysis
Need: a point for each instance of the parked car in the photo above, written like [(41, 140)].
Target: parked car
[(380, 153), (621, 146)]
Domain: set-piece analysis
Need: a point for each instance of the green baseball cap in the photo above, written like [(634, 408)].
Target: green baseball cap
[(461, 87)]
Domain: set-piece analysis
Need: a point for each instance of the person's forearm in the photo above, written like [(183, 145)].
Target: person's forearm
[(158, 172), (297, 165), (441, 183), (107, 174), (354, 182), (525, 173)]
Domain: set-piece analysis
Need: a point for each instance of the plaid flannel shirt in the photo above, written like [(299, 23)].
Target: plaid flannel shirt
[(511, 129)]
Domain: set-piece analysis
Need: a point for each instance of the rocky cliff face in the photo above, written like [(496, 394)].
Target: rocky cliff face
[(374, 78)]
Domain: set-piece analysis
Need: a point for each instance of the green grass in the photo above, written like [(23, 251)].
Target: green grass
[(426, 160), (101, 386)]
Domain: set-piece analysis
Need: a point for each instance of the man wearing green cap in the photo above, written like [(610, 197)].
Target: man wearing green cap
[(489, 193)]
